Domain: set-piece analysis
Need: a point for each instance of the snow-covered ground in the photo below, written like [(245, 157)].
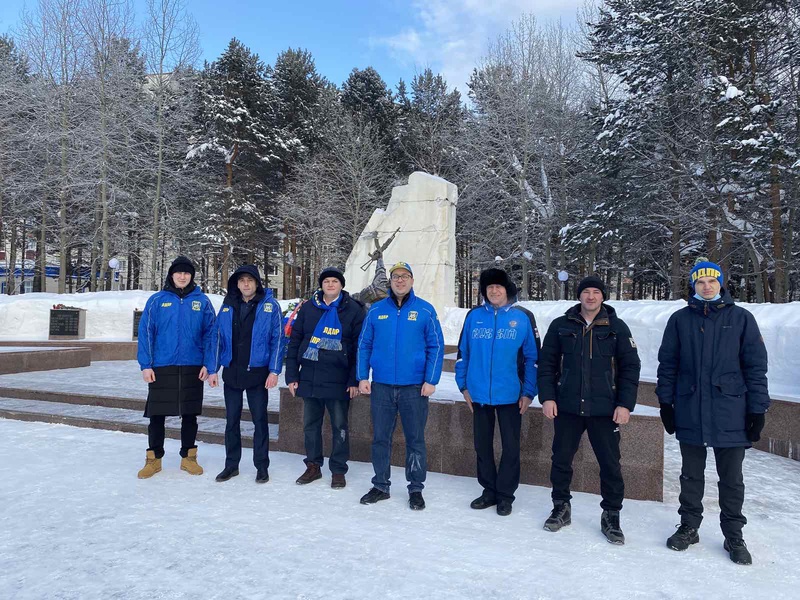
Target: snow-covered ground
[(77, 524), (779, 325)]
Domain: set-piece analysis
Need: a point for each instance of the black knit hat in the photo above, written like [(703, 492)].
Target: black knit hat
[(497, 277), (330, 272), (592, 281), (181, 265)]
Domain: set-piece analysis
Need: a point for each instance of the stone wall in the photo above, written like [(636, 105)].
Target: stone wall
[(450, 448)]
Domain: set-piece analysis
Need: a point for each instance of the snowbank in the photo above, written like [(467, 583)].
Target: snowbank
[(109, 315), (779, 324)]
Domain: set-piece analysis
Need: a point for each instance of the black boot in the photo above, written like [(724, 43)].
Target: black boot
[(262, 475), (561, 516), (373, 496), (416, 501), (227, 473), (738, 551), (485, 500), (503, 508), (683, 538), (609, 525)]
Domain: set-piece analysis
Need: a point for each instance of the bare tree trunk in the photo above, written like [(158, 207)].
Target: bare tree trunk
[(675, 275), (12, 260), (62, 213), (777, 236)]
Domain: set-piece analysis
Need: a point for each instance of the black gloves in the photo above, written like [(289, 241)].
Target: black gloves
[(753, 424), (668, 418)]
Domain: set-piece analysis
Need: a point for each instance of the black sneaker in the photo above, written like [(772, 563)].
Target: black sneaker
[(483, 501), (561, 516), (416, 501), (373, 496), (683, 538), (504, 508), (227, 473), (262, 475), (738, 551), (609, 525)]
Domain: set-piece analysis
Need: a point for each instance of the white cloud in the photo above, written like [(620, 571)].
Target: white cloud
[(451, 36)]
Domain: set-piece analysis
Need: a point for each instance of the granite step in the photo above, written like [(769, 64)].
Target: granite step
[(135, 404), (210, 429)]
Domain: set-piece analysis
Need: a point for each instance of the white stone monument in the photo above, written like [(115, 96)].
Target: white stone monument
[(425, 212)]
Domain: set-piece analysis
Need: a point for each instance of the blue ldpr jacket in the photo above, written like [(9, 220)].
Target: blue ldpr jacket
[(403, 345), (177, 331), (489, 350), (266, 348)]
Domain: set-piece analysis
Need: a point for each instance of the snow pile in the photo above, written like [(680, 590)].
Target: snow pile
[(109, 315), (779, 325), (76, 523)]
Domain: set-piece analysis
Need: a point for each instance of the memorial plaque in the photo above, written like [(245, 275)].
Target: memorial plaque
[(137, 316), (67, 324)]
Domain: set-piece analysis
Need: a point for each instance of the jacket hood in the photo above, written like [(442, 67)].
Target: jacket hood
[(233, 289)]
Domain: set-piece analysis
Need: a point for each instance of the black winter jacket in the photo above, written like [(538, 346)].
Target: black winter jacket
[(589, 370), (712, 368), (335, 371)]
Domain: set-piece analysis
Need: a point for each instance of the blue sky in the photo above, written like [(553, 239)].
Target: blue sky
[(396, 37)]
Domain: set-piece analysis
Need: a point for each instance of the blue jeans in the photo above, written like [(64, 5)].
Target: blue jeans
[(257, 401), (385, 402), (313, 413)]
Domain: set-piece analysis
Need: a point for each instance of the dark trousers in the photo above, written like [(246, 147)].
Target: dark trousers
[(604, 438), (497, 483), (156, 432), (731, 487), (257, 401), (386, 401), (313, 413)]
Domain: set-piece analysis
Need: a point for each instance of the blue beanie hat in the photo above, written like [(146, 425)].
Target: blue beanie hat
[(705, 268)]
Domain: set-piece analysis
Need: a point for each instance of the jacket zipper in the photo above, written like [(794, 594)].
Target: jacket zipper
[(491, 355), (180, 384), (613, 374), (396, 328)]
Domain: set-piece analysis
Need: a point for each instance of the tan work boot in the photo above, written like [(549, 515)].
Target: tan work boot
[(151, 466), (189, 464)]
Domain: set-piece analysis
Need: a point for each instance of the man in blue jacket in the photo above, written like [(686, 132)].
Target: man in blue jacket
[(402, 342), (249, 348), (712, 388), (176, 352), (496, 373)]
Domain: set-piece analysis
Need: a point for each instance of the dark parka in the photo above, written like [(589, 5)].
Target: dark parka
[(589, 370), (712, 368), (335, 371)]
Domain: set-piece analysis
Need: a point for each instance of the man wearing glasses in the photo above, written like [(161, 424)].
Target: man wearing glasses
[(402, 343)]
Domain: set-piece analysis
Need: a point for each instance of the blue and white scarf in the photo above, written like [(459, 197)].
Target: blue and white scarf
[(328, 332)]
